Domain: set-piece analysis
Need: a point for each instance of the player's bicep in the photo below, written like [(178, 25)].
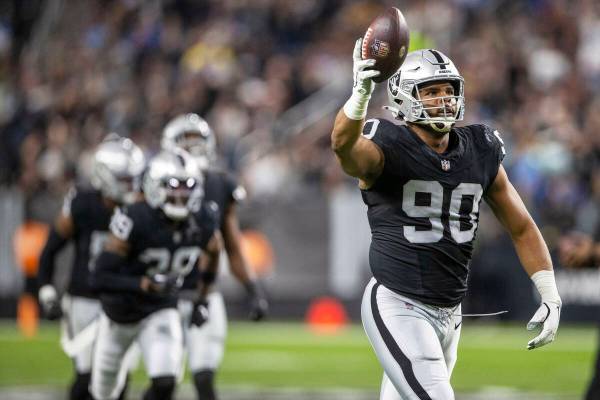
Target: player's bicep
[(364, 160), (357, 154), (507, 205), (64, 225), (65, 222)]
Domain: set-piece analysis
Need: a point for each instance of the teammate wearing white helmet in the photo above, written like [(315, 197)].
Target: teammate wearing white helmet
[(206, 345), (152, 246), (84, 219)]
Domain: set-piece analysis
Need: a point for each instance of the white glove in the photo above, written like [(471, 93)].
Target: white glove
[(356, 106), (49, 302), (547, 315)]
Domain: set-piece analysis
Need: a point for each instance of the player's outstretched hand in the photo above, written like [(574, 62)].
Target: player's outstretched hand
[(50, 303), (363, 82), (547, 317), (259, 306), (199, 313)]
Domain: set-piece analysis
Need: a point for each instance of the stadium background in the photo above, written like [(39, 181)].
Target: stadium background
[(269, 75)]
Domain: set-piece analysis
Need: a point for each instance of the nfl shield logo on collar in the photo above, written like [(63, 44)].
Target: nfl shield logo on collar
[(445, 165), (177, 237)]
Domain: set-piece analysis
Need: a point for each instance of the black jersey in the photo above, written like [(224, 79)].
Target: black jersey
[(156, 245), (223, 189), (90, 216), (220, 191), (424, 209)]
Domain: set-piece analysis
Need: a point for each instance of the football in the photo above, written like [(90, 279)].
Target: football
[(386, 41)]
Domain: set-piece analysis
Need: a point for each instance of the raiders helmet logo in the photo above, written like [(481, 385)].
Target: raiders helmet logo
[(394, 84), (445, 165)]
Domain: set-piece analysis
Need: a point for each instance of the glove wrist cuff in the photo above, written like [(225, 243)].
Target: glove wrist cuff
[(208, 277), (356, 106), (546, 285)]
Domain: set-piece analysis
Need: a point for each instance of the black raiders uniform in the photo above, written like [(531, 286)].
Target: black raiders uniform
[(91, 218), (424, 209), (157, 245), (223, 190)]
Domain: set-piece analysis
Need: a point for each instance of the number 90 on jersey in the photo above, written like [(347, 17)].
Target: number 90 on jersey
[(435, 211)]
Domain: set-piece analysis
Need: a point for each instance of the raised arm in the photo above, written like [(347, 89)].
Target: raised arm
[(359, 157), (533, 254)]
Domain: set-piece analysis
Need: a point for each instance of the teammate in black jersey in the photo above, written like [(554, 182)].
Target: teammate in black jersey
[(152, 246), (205, 345), (84, 219), (578, 250), (423, 183)]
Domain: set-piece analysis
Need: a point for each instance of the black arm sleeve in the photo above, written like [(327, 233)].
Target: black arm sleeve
[(46, 266), (108, 278)]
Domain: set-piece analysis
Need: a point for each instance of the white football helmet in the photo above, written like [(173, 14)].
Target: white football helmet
[(191, 133), (174, 183), (420, 68), (117, 169)]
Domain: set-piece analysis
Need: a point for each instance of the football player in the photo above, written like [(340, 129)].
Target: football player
[(423, 182), (577, 251), (152, 245), (205, 345), (84, 219)]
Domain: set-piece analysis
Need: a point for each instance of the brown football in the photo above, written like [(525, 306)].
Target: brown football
[(386, 40)]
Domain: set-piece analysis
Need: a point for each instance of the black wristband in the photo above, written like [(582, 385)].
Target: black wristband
[(254, 289), (208, 277)]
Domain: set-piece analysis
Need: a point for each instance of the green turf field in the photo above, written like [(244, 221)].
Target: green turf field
[(271, 355)]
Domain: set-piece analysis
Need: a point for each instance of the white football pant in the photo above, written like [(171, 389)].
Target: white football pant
[(415, 343), (160, 341), (205, 345), (78, 313)]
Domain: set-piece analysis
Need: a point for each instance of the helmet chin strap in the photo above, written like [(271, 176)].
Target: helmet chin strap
[(439, 126), (395, 111)]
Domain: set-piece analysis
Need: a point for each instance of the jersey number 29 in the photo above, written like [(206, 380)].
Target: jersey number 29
[(182, 262), (434, 211)]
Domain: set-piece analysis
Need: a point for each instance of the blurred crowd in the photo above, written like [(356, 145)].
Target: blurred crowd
[(72, 71)]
